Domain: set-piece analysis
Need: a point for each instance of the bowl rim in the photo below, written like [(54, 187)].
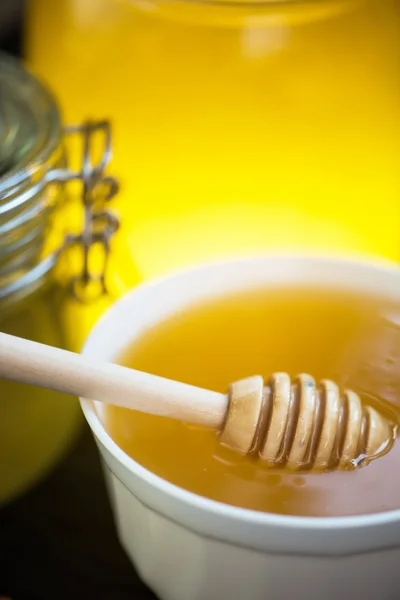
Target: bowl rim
[(379, 266)]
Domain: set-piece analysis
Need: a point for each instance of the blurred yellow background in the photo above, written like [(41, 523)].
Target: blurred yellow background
[(238, 128)]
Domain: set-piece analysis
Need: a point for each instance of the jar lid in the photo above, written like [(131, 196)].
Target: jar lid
[(30, 135), (30, 123)]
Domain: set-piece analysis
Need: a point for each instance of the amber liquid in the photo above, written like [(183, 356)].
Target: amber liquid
[(345, 336)]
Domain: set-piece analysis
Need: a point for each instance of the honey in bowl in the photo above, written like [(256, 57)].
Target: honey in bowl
[(342, 335)]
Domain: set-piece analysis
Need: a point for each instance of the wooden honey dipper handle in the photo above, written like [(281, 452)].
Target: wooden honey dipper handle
[(52, 368), (283, 423)]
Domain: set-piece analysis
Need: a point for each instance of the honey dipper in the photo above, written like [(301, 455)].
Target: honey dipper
[(295, 424)]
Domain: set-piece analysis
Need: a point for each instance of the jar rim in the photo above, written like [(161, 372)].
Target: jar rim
[(251, 13), (256, 3)]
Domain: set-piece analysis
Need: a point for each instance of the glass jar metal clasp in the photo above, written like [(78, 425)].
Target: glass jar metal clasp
[(99, 224)]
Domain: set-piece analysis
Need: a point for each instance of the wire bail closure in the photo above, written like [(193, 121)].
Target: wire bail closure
[(99, 224)]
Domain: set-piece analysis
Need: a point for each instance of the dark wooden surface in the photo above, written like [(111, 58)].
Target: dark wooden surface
[(58, 541)]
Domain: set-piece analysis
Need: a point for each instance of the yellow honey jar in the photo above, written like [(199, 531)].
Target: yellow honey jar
[(44, 260), (239, 126)]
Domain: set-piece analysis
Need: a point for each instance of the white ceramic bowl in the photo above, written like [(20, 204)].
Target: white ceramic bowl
[(187, 547)]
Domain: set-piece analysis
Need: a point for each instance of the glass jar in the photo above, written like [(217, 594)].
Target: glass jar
[(38, 241), (240, 126)]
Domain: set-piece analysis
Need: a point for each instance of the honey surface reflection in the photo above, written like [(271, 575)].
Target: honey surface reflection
[(344, 336)]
